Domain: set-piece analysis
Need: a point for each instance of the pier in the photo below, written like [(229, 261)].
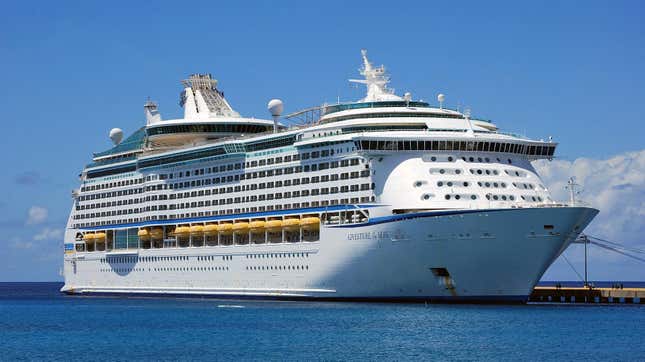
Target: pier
[(570, 295)]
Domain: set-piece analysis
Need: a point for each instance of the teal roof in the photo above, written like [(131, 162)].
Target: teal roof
[(132, 143)]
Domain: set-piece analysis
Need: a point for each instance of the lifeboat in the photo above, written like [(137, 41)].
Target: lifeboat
[(210, 230), (156, 233), (241, 227), (225, 228), (196, 230), (144, 234), (257, 226), (99, 237), (182, 231), (291, 224), (88, 238), (310, 223), (273, 225)]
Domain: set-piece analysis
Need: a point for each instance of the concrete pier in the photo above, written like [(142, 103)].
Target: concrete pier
[(588, 295)]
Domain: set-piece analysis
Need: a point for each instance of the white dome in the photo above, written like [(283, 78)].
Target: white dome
[(276, 107), (116, 135)]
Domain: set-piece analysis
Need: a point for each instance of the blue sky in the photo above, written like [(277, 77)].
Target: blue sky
[(73, 70)]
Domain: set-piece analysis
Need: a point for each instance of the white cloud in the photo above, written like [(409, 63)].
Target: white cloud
[(37, 215), (49, 234), (18, 243), (615, 186)]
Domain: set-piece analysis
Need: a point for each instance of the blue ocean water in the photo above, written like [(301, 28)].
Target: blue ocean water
[(38, 323)]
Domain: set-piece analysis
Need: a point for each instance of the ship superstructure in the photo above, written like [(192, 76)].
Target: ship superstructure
[(384, 198)]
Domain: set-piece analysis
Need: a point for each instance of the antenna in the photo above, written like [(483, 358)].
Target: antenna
[(441, 98), (469, 124), (116, 135), (407, 97), (275, 107), (571, 186)]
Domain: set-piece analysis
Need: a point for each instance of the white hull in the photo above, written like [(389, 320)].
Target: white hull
[(489, 255)]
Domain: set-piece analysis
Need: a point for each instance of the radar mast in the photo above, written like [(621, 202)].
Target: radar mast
[(376, 80)]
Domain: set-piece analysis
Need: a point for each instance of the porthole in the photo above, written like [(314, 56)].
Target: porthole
[(418, 184), (433, 158), (512, 197), (487, 184), (479, 183), (495, 197), (457, 197), (495, 172), (447, 197), (509, 161), (488, 172), (472, 159), (479, 172), (488, 197), (495, 184), (473, 197), (504, 197), (465, 184), (449, 184), (440, 183), (479, 159), (457, 171), (450, 158), (442, 171), (487, 159), (503, 184)]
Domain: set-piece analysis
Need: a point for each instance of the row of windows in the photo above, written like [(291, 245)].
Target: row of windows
[(278, 267), (229, 201), (209, 128), (109, 185), (285, 206), (228, 190), (216, 180), (416, 145), (468, 159), (165, 269)]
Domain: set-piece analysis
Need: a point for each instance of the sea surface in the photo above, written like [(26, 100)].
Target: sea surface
[(39, 323)]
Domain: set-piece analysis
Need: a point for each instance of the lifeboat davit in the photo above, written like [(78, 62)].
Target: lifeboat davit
[(182, 231), (225, 228), (156, 233), (291, 224), (144, 234), (310, 223), (257, 226), (273, 225), (210, 230), (241, 227), (196, 230)]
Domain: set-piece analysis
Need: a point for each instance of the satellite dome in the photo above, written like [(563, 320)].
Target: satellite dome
[(276, 107), (116, 135), (441, 97)]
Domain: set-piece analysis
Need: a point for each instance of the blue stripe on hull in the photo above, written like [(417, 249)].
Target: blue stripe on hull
[(399, 217), (347, 207)]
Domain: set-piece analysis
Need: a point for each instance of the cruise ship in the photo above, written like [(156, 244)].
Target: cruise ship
[(385, 198)]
